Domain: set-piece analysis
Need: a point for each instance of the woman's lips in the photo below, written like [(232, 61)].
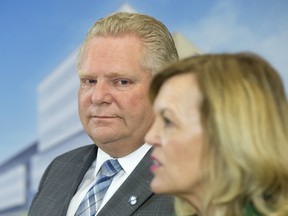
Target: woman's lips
[(155, 165)]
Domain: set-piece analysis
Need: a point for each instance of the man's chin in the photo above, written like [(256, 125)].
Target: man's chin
[(104, 138)]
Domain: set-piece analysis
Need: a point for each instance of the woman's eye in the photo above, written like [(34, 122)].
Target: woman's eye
[(167, 121)]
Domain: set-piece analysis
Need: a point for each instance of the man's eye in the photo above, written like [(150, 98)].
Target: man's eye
[(122, 82), (92, 81), (89, 81)]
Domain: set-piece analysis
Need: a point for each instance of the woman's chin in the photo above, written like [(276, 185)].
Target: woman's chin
[(158, 186)]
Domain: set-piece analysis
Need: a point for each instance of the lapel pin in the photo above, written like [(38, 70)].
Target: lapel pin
[(132, 200)]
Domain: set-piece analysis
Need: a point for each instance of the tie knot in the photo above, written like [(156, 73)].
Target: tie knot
[(110, 168)]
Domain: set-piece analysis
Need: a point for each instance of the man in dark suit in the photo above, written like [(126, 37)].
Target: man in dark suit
[(116, 62)]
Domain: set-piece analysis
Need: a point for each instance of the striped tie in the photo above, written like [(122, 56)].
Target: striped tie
[(91, 202)]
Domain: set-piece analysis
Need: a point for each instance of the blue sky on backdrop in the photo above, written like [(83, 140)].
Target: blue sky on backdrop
[(36, 35)]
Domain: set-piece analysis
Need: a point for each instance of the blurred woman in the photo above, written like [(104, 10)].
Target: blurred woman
[(220, 135)]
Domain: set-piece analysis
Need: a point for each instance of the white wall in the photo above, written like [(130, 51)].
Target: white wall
[(13, 187)]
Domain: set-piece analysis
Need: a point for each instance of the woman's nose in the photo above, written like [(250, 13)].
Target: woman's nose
[(152, 137)]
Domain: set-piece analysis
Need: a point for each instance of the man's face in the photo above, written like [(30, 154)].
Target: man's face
[(113, 97)]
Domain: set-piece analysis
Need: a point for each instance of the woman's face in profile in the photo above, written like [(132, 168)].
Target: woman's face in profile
[(177, 137)]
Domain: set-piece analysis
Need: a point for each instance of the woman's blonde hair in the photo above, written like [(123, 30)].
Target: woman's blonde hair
[(245, 118), (159, 46)]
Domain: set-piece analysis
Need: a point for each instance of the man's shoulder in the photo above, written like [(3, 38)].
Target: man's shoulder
[(82, 149), (78, 152)]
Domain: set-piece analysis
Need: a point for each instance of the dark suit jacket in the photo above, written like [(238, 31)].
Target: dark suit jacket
[(63, 176)]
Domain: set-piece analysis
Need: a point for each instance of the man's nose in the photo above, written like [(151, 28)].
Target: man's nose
[(101, 93)]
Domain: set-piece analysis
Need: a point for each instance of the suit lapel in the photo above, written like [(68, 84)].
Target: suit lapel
[(136, 186), (61, 180), (77, 171)]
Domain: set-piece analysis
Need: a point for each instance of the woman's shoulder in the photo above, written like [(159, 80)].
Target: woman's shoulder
[(250, 210)]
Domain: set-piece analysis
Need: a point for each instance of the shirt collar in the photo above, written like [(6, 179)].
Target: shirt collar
[(125, 161)]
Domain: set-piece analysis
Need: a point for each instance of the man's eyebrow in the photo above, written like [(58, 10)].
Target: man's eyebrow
[(117, 74), (83, 74)]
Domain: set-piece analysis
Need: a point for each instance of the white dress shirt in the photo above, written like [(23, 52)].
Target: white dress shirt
[(128, 164)]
